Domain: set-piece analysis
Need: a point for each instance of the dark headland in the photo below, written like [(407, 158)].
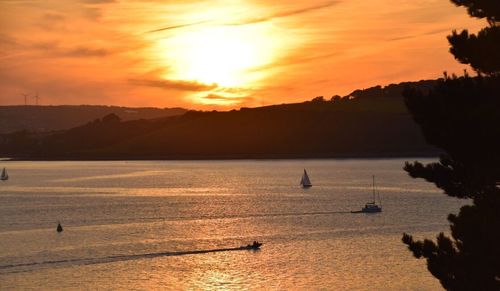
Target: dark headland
[(367, 123)]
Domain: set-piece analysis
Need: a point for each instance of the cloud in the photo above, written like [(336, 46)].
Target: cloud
[(286, 13), (7, 40), (92, 13), (53, 17), (97, 1), (230, 99), (17, 1), (51, 21), (81, 52), (217, 97), (437, 31), (254, 20), (46, 46), (180, 85), (177, 26), (294, 60), (232, 90), (55, 50)]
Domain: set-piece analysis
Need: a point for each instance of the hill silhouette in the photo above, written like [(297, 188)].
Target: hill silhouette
[(50, 118), (366, 123)]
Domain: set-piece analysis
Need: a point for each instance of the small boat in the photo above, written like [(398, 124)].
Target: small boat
[(4, 176), (59, 227), (305, 182), (371, 207), (254, 246)]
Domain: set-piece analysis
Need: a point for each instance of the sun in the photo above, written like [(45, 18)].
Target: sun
[(222, 55)]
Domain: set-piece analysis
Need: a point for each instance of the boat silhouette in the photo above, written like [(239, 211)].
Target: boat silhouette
[(371, 207), (4, 176), (305, 182), (254, 246)]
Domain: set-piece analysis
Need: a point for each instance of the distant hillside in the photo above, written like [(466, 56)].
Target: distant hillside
[(50, 118), (392, 90), (356, 126)]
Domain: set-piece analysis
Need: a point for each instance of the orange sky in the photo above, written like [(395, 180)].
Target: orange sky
[(218, 54)]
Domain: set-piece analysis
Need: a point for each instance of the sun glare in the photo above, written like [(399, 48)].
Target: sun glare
[(222, 55), (223, 49)]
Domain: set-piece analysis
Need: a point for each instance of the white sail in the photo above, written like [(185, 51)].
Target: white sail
[(305, 182), (4, 175)]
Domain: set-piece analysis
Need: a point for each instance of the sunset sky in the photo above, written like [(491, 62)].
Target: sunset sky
[(218, 54)]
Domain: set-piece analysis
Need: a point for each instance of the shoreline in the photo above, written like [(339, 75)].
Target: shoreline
[(229, 158)]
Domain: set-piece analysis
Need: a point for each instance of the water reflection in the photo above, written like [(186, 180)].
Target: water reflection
[(175, 231)]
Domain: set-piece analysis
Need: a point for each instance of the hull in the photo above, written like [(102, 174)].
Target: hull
[(4, 176), (365, 210), (254, 246)]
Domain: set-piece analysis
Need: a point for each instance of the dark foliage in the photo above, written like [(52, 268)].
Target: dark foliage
[(470, 259), (392, 90), (462, 117), (489, 9), (481, 51)]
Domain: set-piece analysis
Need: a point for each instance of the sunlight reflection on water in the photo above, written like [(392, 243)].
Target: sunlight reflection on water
[(142, 225)]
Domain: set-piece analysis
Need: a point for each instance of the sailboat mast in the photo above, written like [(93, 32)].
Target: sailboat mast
[(373, 187)]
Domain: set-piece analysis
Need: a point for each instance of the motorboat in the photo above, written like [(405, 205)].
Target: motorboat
[(254, 246)]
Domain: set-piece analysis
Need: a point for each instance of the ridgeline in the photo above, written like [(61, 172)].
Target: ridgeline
[(59, 117), (366, 123)]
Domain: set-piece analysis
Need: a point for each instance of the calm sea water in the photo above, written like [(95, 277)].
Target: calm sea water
[(147, 224)]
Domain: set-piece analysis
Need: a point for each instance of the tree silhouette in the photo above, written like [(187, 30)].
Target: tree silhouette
[(461, 115), (481, 51)]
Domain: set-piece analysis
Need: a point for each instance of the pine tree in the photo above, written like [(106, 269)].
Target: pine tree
[(461, 115)]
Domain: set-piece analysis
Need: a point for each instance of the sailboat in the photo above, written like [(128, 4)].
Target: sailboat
[(59, 227), (371, 207), (4, 176), (305, 182)]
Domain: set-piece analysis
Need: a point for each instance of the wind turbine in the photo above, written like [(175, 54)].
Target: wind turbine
[(25, 98)]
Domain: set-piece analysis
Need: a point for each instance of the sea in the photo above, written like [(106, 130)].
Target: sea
[(178, 225)]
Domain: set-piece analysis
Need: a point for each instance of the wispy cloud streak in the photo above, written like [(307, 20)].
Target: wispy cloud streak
[(254, 20), (226, 100), (293, 60), (178, 26), (286, 14), (437, 31), (174, 84)]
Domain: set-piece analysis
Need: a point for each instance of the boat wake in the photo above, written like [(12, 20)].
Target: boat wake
[(27, 267)]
